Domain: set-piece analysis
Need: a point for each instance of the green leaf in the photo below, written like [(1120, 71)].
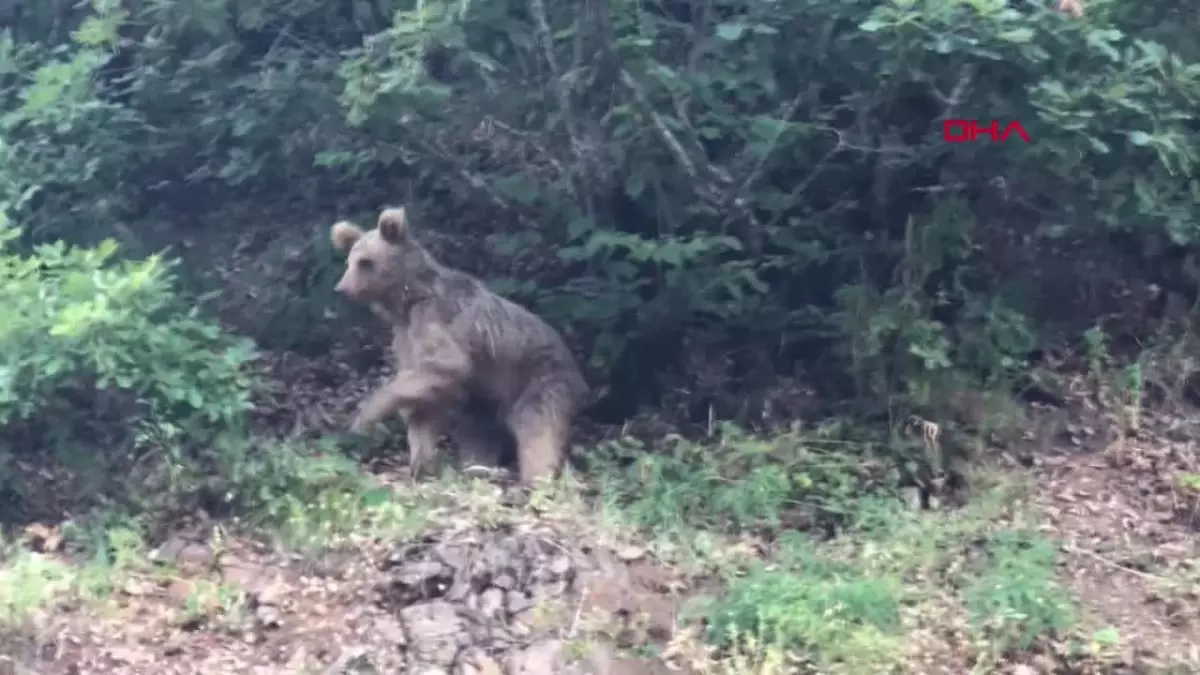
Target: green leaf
[(377, 497), (579, 227), (517, 188), (1018, 35), (670, 254), (1140, 138), (872, 25), (731, 31), (571, 253)]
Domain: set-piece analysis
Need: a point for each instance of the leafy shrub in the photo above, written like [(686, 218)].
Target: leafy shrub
[(1016, 599), (98, 358), (662, 170)]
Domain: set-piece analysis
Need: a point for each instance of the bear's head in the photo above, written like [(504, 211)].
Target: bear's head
[(380, 264)]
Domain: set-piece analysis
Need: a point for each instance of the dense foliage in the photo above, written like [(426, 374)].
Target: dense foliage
[(666, 181)]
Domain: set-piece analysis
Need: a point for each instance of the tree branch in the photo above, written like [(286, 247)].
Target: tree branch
[(562, 93)]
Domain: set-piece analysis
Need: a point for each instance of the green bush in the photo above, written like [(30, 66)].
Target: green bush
[(99, 358), (662, 175), (831, 611)]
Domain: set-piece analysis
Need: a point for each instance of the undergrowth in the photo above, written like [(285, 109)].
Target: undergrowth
[(845, 604), (736, 482)]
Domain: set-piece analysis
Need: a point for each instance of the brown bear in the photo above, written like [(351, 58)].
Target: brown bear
[(454, 342)]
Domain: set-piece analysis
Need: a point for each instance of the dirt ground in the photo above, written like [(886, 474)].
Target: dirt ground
[(494, 586)]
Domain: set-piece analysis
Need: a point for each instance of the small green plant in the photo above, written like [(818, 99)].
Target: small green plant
[(312, 499), (1104, 641), (1015, 599), (832, 610), (1096, 345), (208, 601), (1190, 482), (1122, 389), (107, 546), (917, 544), (29, 582), (1131, 385)]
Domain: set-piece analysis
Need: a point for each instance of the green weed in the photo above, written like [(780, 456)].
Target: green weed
[(1015, 599), (309, 498), (832, 610), (29, 582), (739, 482)]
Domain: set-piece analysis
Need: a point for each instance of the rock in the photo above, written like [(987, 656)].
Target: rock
[(391, 631), (475, 661), (436, 632), (268, 616), (548, 593), (187, 554), (353, 662), (459, 590), (561, 566), (517, 602), (454, 557), (418, 580), (540, 658), (495, 561), (462, 604), (631, 553), (418, 572), (491, 604)]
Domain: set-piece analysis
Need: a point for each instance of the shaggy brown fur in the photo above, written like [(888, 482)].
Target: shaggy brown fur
[(455, 342)]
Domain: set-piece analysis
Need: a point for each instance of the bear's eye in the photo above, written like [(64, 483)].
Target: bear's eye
[(366, 264)]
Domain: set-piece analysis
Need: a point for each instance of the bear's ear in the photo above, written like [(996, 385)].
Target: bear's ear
[(393, 225), (345, 235)]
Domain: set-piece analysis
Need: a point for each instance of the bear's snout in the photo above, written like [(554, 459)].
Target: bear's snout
[(346, 286)]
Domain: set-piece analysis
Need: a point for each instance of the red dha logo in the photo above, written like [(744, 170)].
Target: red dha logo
[(967, 131)]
